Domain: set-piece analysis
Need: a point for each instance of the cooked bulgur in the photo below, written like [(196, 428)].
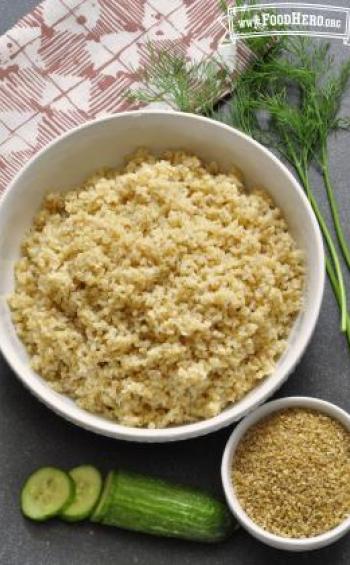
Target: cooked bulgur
[(291, 473), (157, 294)]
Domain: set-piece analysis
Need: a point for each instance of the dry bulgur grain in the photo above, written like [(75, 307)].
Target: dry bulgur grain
[(291, 473), (158, 294)]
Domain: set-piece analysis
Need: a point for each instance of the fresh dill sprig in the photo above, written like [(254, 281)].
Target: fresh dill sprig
[(327, 103), (299, 95), (321, 91), (187, 86)]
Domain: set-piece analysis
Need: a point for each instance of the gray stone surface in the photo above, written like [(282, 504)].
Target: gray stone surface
[(31, 436)]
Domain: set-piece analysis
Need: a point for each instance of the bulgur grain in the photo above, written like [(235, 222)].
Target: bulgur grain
[(291, 473), (158, 294)]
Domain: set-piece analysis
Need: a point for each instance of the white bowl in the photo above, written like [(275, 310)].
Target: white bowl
[(106, 142), (290, 544)]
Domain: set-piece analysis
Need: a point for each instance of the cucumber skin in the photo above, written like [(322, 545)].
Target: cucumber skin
[(154, 506)]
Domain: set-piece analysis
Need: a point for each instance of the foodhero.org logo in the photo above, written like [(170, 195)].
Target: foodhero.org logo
[(259, 20)]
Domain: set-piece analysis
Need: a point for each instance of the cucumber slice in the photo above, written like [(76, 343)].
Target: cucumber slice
[(88, 486), (45, 493)]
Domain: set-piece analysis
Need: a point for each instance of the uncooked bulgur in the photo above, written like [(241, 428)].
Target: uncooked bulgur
[(157, 294), (291, 473)]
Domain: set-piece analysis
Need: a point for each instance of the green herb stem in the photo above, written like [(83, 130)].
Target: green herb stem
[(298, 128), (337, 273), (333, 280), (301, 167), (334, 207)]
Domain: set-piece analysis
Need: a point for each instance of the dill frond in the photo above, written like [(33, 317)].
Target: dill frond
[(187, 86), (300, 93)]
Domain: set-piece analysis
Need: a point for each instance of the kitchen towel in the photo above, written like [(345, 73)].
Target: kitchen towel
[(69, 61)]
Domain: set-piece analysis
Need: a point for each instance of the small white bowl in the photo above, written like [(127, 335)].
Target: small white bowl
[(106, 142), (289, 544)]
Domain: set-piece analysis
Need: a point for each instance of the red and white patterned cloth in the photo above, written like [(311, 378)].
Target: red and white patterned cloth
[(69, 61)]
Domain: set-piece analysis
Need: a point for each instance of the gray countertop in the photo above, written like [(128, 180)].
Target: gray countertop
[(31, 436)]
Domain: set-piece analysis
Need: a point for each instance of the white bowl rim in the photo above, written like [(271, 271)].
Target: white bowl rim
[(89, 421), (290, 544)]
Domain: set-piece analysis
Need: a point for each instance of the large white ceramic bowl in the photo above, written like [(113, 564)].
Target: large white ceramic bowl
[(105, 142), (288, 544)]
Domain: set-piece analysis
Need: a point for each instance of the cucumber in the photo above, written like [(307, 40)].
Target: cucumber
[(46, 493), (88, 486), (157, 507)]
